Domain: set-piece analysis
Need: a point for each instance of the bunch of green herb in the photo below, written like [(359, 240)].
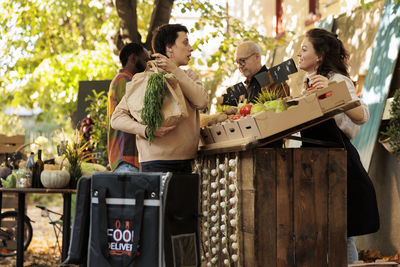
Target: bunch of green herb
[(153, 99)]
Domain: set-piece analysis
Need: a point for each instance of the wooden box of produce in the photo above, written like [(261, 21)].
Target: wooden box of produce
[(9, 144), (274, 207)]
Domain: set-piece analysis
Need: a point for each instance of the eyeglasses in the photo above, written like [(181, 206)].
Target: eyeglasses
[(242, 61)]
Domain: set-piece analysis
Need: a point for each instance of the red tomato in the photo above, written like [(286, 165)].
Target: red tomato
[(236, 117), (245, 110)]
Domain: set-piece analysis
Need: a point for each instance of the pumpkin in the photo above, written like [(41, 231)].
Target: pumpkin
[(54, 178)]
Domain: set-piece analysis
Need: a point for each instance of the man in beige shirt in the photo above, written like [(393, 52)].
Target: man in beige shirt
[(173, 147)]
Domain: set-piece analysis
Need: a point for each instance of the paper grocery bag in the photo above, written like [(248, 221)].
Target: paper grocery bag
[(174, 105)]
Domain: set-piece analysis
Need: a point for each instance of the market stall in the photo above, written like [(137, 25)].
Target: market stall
[(270, 206)]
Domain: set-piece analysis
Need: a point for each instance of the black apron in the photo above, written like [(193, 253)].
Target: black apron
[(362, 209)]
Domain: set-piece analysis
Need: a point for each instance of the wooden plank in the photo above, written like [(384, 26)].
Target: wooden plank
[(284, 208), (15, 139), (337, 208), (378, 78), (9, 148), (265, 207), (309, 222)]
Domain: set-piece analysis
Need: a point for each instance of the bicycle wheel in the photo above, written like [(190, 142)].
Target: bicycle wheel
[(8, 233)]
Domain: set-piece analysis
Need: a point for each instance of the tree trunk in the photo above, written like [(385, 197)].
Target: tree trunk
[(161, 15), (127, 14)]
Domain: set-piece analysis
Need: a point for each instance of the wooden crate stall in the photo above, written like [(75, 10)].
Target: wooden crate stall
[(274, 207), (10, 144)]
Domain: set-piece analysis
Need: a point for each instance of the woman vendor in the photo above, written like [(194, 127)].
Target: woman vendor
[(324, 59)]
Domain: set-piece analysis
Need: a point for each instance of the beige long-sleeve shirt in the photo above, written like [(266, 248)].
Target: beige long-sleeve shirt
[(179, 144)]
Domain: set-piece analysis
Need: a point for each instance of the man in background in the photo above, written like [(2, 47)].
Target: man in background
[(248, 60), (121, 147)]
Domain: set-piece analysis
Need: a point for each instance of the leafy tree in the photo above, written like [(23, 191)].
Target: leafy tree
[(230, 31), (48, 47)]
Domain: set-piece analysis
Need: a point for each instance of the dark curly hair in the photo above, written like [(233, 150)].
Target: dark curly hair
[(129, 49), (166, 35), (330, 49)]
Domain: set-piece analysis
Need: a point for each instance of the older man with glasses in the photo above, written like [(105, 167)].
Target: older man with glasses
[(248, 59)]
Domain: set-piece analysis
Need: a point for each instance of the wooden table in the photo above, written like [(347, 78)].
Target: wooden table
[(21, 214)]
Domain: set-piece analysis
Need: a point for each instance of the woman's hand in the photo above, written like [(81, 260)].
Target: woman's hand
[(163, 130), (319, 82), (164, 62)]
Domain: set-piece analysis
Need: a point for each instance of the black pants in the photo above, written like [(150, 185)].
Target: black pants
[(174, 166)]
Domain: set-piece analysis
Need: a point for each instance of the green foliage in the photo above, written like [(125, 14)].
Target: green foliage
[(153, 100), (97, 111), (393, 129), (230, 31), (48, 47)]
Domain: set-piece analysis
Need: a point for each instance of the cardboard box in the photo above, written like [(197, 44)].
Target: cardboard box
[(218, 133), (249, 127), (206, 136), (270, 123), (336, 94), (232, 130)]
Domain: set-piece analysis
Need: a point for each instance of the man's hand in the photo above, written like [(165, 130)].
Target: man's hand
[(163, 130)]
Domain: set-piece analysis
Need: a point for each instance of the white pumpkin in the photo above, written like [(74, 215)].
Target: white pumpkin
[(54, 178)]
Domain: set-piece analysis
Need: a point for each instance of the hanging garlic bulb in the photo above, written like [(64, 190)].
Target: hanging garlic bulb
[(214, 185), (206, 243), (222, 204), (207, 254), (235, 257), (214, 172), (226, 262), (214, 260), (214, 195), (214, 250), (222, 167), (233, 222), (214, 239), (213, 207), (206, 224), (205, 182), (233, 237), (222, 193), (222, 181), (232, 211), (214, 229), (209, 264), (205, 213), (224, 240), (232, 187), (225, 250), (223, 227), (205, 193), (232, 163), (233, 200), (231, 174), (205, 202), (223, 217), (205, 233), (235, 245), (214, 218)]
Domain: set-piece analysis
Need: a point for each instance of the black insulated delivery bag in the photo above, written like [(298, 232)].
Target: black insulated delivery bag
[(133, 225)]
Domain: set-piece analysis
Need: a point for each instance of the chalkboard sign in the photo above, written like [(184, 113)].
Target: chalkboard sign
[(378, 78), (85, 89)]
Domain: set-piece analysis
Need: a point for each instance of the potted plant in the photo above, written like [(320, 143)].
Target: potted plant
[(75, 152), (391, 137)]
